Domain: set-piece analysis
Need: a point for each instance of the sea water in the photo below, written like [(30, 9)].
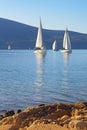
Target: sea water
[(27, 79)]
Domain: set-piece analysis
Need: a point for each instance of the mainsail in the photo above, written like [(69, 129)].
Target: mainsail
[(39, 41), (54, 47), (66, 41), (9, 47)]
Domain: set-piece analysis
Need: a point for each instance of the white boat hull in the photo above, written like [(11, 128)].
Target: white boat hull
[(40, 51), (66, 51)]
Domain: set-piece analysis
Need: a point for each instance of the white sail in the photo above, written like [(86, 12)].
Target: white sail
[(54, 47), (66, 42), (39, 41), (9, 47)]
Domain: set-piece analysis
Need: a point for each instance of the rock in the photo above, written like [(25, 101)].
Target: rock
[(41, 105), (1, 117), (80, 105), (65, 117), (64, 120), (69, 115), (75, 112), (9, 113), (19, 110), (80, 117), (78, 125)]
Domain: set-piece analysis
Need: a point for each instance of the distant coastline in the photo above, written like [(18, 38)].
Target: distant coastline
[(23, 36)]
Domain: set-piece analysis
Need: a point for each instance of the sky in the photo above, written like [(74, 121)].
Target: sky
[(55, 14)]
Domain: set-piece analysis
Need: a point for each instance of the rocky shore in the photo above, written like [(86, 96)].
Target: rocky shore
[(55, 116)]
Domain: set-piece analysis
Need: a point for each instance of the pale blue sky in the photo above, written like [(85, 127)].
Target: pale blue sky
[(55, 14)]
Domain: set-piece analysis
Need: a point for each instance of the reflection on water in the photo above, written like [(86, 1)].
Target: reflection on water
[(39, 83), (65, 81), (39, 70), (66, 57)]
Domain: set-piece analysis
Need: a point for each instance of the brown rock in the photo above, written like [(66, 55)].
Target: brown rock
[(19, 110), (9, 113), (65, 117), (80, 105), (70, 115), (78, 125), (1, 117)]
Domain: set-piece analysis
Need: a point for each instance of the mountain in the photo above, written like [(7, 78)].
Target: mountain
[(22, 36)]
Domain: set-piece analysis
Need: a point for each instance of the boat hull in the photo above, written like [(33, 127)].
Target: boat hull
[(40, 51), (55, 49), (66, 51)]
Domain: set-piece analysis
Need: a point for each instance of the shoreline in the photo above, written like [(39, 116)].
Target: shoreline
[(55, 116)]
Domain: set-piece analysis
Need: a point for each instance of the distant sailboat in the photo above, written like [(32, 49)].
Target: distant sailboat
[(9, 47), (66, 43), (54, 47), (40, 48)]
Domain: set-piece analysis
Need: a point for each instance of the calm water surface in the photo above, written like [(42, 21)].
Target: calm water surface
[(27, 79)]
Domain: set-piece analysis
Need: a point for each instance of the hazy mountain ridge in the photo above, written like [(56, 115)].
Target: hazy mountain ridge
[(22, 36)]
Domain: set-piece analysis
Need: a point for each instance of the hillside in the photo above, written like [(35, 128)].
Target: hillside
[(22, 36)]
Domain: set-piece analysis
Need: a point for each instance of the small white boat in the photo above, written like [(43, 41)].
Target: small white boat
[(66, 43), (54, 47), (40, 47)]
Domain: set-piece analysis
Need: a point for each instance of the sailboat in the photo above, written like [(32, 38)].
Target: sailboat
[(54, 47), (66, 43), (39, 48), (9, 47)]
